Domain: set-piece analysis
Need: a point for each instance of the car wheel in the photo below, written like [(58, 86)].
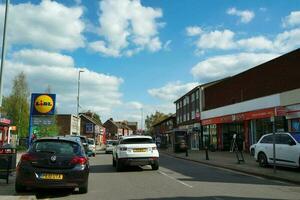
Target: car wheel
[(83, 189), (155, 166), (114, 162), (262, 160), (19, 187), (119, 165)]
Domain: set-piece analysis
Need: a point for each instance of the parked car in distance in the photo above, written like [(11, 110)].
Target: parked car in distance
[(110, 145), (83, 140), (135, 151), (58, 162), (287, 146), (92, 147)]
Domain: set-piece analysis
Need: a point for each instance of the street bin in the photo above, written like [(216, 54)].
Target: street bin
[(8, 159)]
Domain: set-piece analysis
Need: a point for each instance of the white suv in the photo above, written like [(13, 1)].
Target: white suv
[(287, 146), (135, 151)]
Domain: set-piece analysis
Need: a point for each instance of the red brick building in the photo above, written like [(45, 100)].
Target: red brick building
[(244, 104)]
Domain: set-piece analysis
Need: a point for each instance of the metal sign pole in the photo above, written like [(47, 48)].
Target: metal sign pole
[(274, 141)]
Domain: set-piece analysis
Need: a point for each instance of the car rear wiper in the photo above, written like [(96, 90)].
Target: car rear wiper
[(45, 151)]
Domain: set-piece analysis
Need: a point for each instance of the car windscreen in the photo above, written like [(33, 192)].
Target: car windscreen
[(296, 136), (109, 142), (83, 140), (91, 142), (137, 141), (57, 147)]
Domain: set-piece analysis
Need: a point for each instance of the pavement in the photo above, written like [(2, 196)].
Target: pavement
[(228, 160)]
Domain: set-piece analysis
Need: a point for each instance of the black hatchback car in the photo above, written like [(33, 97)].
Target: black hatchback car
[(58, 162)]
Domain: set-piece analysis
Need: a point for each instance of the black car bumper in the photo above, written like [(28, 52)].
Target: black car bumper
[(31, 177)]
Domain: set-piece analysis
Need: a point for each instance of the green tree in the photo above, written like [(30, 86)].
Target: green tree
[(16, 105), (153, 119)]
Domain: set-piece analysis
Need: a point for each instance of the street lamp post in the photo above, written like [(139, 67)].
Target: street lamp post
[(78, 121), (3, 50)]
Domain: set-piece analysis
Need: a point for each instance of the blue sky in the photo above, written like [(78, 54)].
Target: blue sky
[(141, 54)]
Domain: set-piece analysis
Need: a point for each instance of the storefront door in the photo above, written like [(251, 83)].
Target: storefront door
[(228, 131)]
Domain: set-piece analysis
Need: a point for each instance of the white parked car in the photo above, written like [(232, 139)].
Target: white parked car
[(287, 146), (91, 147), (110, 145), (135, 150)]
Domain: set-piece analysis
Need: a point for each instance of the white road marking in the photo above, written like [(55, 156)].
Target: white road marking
[(171, 177)]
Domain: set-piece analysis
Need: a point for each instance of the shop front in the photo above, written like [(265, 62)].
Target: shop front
[(248, 127), (194, 135), (5, 136), (293, 118)]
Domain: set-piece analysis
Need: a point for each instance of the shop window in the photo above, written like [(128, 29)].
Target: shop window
[(263, 126), (280, 124), (295, 125)]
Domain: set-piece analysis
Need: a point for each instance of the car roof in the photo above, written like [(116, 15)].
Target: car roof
[(81, 136), (275, 133), (136, 136), (57, 138)]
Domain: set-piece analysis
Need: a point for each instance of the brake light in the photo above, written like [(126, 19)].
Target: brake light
[(28, 157), (123, 148), (78, 160)]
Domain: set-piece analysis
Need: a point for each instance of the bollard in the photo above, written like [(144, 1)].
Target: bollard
[(206, 153), (186, 152)]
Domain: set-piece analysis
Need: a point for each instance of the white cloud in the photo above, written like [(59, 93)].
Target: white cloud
[(216, 40), (225, 40), (48, 25), (134, 105), (287, 41), (245, 15), (98, 92), (255, 43), (36, 57), (127, 111), (291, 20), (127, 25), (172, 91), (193, 30), (226, 65), (167, 45)]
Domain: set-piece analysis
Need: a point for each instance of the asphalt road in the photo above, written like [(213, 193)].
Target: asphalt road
[(176, 179)]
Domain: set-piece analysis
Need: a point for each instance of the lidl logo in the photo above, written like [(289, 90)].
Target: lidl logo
[(44, 104)]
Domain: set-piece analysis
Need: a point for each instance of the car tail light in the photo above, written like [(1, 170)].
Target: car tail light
[(78, 160), (154, 148), (123, 148), (28, 157)]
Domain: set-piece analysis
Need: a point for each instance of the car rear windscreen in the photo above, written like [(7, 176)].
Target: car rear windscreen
[(137, 141), (57, 147)]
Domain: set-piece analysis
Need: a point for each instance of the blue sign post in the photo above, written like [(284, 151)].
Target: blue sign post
[(41, 106)]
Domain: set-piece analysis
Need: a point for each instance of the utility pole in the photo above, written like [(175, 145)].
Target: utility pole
[(3, 51), (141, 120), (274, 142), (78, 92)]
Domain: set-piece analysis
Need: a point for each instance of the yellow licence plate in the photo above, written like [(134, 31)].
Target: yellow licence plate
[(52, 176), (139, 150)]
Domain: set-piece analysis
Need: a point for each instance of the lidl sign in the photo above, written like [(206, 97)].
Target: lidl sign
[(43, 104)]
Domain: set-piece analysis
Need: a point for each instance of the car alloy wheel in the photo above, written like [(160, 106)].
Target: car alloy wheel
[(262, 159)]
